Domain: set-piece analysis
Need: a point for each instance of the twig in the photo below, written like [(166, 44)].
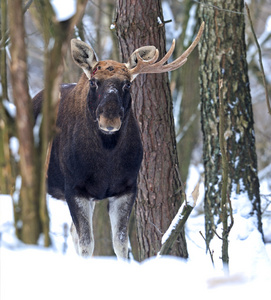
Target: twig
[(159, 231), (228, 229), (209, 250), (225, 174), (5, 38), (231, 215), (27, 5), (218, 8), (181, 188), (188, 124), (214, 231), (260, 60)]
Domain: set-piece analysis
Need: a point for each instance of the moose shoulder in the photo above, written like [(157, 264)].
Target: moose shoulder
[(97, 152)]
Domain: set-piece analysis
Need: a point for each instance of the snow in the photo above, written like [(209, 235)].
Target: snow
[(266, 32), (16, 194), (64, 9), (14, 147), (10, 108), (190, 25), (33, 272), (173, 224)]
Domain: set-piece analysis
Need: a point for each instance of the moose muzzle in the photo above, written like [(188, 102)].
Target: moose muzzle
[(109, 125), (110, 112)]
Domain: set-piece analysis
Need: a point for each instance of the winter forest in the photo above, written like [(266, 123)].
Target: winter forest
[(201, 222)]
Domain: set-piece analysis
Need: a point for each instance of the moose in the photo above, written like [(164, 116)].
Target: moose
[(97, 151)]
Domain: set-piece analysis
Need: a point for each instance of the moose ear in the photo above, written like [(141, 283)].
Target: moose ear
[(146, 53), (83, 56)]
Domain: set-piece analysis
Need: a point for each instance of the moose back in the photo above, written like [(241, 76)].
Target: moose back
[(97, 152)]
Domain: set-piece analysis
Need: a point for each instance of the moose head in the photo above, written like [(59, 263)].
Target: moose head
[(110, 81)]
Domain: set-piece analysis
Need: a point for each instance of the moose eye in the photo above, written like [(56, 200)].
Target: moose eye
[(127, 86)]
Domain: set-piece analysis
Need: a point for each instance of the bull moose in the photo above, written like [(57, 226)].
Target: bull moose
[(97, 152)]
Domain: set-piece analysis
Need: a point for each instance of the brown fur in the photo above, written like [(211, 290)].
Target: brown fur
[(109, 68), (97, 152)]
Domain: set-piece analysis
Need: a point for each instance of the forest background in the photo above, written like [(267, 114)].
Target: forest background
[(97, 29)]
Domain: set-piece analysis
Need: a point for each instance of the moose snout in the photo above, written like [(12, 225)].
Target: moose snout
[(109, 125), (110, 112)]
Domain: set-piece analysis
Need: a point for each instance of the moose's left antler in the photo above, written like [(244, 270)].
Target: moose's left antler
[(140, 65)]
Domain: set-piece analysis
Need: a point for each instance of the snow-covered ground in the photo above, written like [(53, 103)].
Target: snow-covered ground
[(33, 272)]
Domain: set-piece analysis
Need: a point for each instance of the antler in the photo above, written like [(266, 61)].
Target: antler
[(151, 66)]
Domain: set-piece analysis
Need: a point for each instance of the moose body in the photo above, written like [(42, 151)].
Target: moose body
[(91, 160), (97, 152)]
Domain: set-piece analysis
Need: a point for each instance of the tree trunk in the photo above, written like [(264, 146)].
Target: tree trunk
[(224, 74), (35, 151), (30, 228), (5, 162), (60, 33), (158, 197), (184, 84), (102, 230)]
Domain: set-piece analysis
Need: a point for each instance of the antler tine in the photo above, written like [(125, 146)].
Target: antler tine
[(142, 65), (166, 57), (150, 66), (177, 63), (147, 66)]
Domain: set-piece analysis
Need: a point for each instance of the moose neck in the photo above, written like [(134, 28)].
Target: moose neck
[(109, 141), (112, 141)]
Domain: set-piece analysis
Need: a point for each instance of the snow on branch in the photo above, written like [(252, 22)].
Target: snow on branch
[(178, 222)]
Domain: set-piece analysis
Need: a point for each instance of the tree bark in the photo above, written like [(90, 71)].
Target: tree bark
[(158, 183), (30, 229), (102, 230), (184, 84), (59, 33), (223, 59), (35, 150), (5, 159)]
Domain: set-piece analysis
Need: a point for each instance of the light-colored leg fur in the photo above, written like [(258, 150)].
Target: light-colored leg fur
[(82, 235), (119, 212)]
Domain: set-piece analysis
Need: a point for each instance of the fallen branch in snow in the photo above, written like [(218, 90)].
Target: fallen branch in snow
[(178, 222)]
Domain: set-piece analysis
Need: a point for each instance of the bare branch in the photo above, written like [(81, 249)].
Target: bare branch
[(209, 250), (218, 8), (5, 38), (260, 60)]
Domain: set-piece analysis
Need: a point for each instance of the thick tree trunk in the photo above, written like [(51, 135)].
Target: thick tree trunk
[(224, 73), (158, 197)]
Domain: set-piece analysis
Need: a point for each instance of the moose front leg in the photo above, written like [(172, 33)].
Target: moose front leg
[(119, 212), (81, 210)]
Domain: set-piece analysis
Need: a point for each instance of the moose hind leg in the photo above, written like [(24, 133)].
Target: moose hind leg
[(119, 213), (81, 210)]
